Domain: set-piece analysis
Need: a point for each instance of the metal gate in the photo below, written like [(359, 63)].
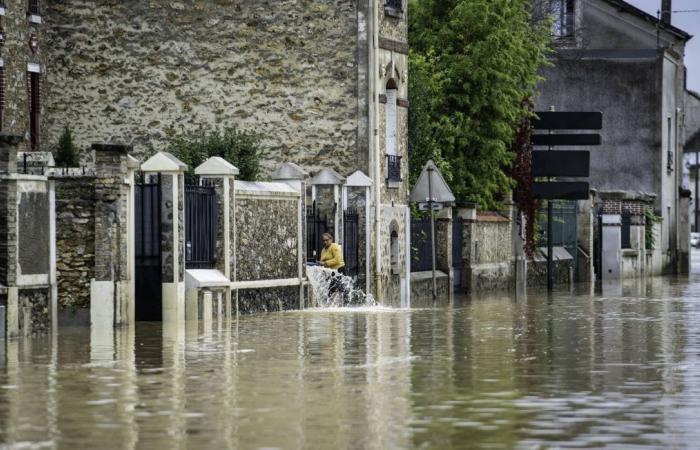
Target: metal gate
[(315, 227), (351, 244), (148, 260), (457, 242), (201, 226), (421, 245)]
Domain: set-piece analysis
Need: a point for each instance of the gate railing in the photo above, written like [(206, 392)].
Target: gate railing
[(421, 245), (315, 227), (457, 242), (351, 244), (201, 226)]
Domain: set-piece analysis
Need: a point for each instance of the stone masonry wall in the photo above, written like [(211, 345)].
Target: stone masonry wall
[(75, 240), (34, 317), (266, 239), (8, 230), (140, 72)]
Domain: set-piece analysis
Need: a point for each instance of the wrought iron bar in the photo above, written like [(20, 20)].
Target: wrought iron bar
[(35, 7), (393, 164)]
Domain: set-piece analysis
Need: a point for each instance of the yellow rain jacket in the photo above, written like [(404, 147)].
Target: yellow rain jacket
[(333, 256)]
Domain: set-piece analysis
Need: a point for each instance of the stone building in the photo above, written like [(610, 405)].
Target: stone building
[(614, 58), (324, 82)]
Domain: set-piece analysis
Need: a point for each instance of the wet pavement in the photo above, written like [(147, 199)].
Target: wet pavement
[(581, 369)]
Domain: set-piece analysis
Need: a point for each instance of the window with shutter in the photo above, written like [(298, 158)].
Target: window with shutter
[(391, 122), (34, 109)]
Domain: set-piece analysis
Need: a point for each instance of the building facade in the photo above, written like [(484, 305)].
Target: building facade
[(614, 58), (324, 83)]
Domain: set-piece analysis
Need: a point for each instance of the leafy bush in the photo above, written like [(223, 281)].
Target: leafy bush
[(650, 220), (66, 154), (240, 148)]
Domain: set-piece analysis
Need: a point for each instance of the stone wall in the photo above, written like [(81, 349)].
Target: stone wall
[(75, 240), (143, 71), (34, 311), (266, 239), (267, 300), (487, 253)]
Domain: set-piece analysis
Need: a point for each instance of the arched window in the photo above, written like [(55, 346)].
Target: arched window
[(391, 94), (394, 253)]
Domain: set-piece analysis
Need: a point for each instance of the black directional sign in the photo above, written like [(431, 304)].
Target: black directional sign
[(561, 164), (565, 139), (547, 120), (561, 190)]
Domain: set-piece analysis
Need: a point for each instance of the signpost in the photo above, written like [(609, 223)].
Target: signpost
[(562, 164), (431, 192)]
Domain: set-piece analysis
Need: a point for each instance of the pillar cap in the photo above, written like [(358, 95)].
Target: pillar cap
[(131, 162), (359, 179), (327, 177), (111, 147), (163, 162), (10, 139), (216, 166), (289, 171)]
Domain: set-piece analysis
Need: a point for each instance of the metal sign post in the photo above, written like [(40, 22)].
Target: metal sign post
[(432, 225)]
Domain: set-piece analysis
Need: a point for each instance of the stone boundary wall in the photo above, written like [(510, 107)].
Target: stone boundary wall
[(75, 240), (487, 252)]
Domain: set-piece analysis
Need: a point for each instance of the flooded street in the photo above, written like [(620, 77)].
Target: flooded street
[(571, 370)]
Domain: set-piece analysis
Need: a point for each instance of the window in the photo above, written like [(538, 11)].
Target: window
[(34, 109), (393, 159), (394, 253), (563, 17), (669, 148)]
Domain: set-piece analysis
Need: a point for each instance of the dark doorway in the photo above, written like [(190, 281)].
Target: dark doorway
[(149, 299), (351, 242)]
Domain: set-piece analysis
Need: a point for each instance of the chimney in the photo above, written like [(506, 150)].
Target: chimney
[(666, 11)]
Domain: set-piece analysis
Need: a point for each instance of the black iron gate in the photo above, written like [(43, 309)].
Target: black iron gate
[(148, 260), (421, 245), (315, 227), (457, 242), (201, 226), (351, 243)]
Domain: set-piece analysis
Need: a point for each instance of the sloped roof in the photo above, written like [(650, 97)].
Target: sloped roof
[(626, 7)]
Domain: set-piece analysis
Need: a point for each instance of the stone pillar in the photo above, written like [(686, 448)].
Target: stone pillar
[(109, 290), (684, 232), (172, 226), (443, 245), (295, 177), (223, 174), (611, 258), (8, 233), (132, 165), (468, 216)]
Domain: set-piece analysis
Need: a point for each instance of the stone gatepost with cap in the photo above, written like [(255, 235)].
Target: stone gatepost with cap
[(172, 188), (27, 247)]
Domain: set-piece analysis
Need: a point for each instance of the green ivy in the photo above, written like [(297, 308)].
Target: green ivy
[(240, 148), (650, 220), (66, 154)]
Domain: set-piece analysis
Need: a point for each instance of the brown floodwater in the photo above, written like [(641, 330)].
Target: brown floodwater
[(571, 370)]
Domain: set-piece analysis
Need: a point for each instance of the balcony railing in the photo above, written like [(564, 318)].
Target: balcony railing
[(35, 7), (396, 5), (393, 168)]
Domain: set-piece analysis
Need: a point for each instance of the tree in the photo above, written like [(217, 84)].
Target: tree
[(477, 60), (66, 152), (240, 148)]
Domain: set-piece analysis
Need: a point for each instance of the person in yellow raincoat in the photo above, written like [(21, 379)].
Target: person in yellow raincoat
[(332, 254)]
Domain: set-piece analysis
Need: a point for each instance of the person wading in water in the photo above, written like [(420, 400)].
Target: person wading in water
[(332, 258)]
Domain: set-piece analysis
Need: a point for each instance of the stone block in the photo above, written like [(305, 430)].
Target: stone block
[(8, 152)]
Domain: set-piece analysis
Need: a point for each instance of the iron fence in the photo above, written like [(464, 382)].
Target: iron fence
[(201, 226), (315, 227), (351, 245), (421, 245), (35, 7)]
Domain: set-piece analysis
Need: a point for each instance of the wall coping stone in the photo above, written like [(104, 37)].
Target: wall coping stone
[(200, 278), (111, 147), (262, 188), (627, 195), (131, 162), (22, 177)]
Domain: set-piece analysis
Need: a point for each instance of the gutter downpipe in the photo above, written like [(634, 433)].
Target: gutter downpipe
[(374, 146)]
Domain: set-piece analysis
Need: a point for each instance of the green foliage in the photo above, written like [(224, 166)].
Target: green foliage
[(66, 154), (240, 148), (650, 220), (472, 64)]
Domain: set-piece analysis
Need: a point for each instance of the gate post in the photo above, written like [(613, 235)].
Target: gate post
[(172, 233), (224, 174), (109, 290)]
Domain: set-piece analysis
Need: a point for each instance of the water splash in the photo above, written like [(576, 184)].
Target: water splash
[(332, 289)]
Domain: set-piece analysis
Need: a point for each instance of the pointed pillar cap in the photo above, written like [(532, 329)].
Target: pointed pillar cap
[(327, 177), (163, 162), (216, 166), (290, 171)]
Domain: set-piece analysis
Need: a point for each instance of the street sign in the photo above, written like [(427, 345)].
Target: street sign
[(572, 163), (570, 120), (561, 190), (426, 206), (547, 140)]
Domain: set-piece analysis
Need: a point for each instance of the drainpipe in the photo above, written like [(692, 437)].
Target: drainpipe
[(374, 145)]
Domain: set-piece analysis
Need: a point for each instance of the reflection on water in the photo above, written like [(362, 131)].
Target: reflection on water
[(567, 370)]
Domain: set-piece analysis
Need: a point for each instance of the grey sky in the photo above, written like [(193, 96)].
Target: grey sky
[(686, 21)]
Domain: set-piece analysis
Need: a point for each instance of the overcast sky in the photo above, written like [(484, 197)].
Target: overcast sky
[(688, 22)]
